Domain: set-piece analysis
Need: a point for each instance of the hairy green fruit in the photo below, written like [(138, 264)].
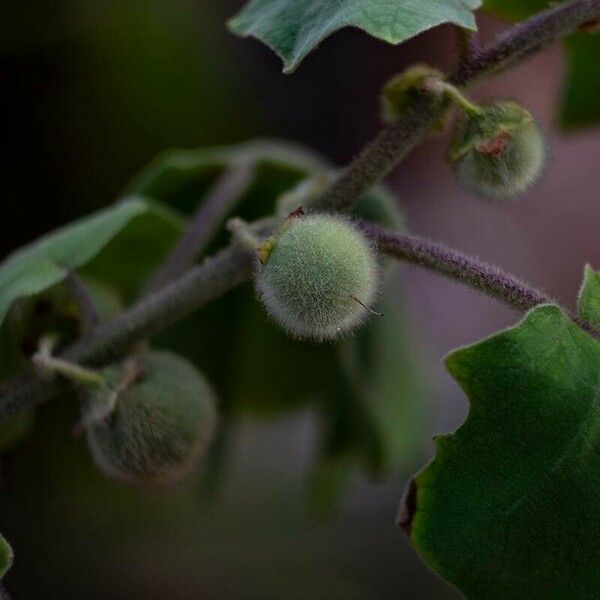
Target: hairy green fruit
[(403, 89), (153, 422), (499, 152), (318, 277)]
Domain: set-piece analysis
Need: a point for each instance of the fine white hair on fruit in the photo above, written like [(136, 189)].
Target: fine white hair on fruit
[(158, 424), (320, 277), (500, 153)]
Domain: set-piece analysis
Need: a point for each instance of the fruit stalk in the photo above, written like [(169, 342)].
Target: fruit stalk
[(395, 141)]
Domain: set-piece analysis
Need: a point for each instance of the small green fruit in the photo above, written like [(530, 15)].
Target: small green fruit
[(499, 152), (403, 89), (318, 276), (153, 422)]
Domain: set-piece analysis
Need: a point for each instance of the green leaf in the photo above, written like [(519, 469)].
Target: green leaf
[(294, 28), (579, 105), (375, 414), (15, 429), (515, 9), (379, 362), (588, 302), (182, 177), (6, 557), (509, 506), (135, 223)]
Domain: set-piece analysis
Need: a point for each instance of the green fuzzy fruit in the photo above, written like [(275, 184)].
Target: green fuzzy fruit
[(499, 152), (154, 420), (318, 277), (404, 89)]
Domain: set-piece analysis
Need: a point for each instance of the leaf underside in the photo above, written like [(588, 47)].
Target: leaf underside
[(294, 28)]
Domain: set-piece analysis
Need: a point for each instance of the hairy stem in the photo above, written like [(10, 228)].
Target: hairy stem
[(461, 267), (395, 141), (525, 39), (466, 42), (232, 266), (111, 340), (465, 269), (203, 225), (84, 301), (72, 371)]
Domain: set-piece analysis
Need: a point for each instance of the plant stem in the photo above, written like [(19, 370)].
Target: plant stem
[(209, 280), (466, 42), (111, 340), (394, 142), (233, 265), (460, 100), (70, 370), (465, 269), (525, 39), (84, 301), (204, 224), (460, 267)]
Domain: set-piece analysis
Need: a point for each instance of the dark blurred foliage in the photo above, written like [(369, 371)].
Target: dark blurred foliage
[(92, 90)]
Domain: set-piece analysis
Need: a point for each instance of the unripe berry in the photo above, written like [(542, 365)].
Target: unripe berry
[(499, 152), (153, 422), (403, 89), (318, 276)]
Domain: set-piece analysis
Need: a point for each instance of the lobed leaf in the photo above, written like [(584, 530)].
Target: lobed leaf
[(294, 28), (508, 508)]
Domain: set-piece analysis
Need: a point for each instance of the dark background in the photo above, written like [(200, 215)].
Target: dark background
[(90, 91)]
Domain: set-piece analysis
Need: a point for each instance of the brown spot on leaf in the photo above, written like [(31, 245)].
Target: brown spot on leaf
[(408, 507)]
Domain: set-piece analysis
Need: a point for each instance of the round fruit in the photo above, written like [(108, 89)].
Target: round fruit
[(499, 152), (153, 422), (318, 276)]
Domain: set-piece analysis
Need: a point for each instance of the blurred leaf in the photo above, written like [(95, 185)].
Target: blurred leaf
[(515, 9), (508, 508), (328, 482), (294, 28), (135, 224), (6, 557), (265, 372), (125, 263), (181, 177), (13, 431), (118, 245), (579, 105), (588, 303), (375, 414), (380, 363), (276, 372)]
